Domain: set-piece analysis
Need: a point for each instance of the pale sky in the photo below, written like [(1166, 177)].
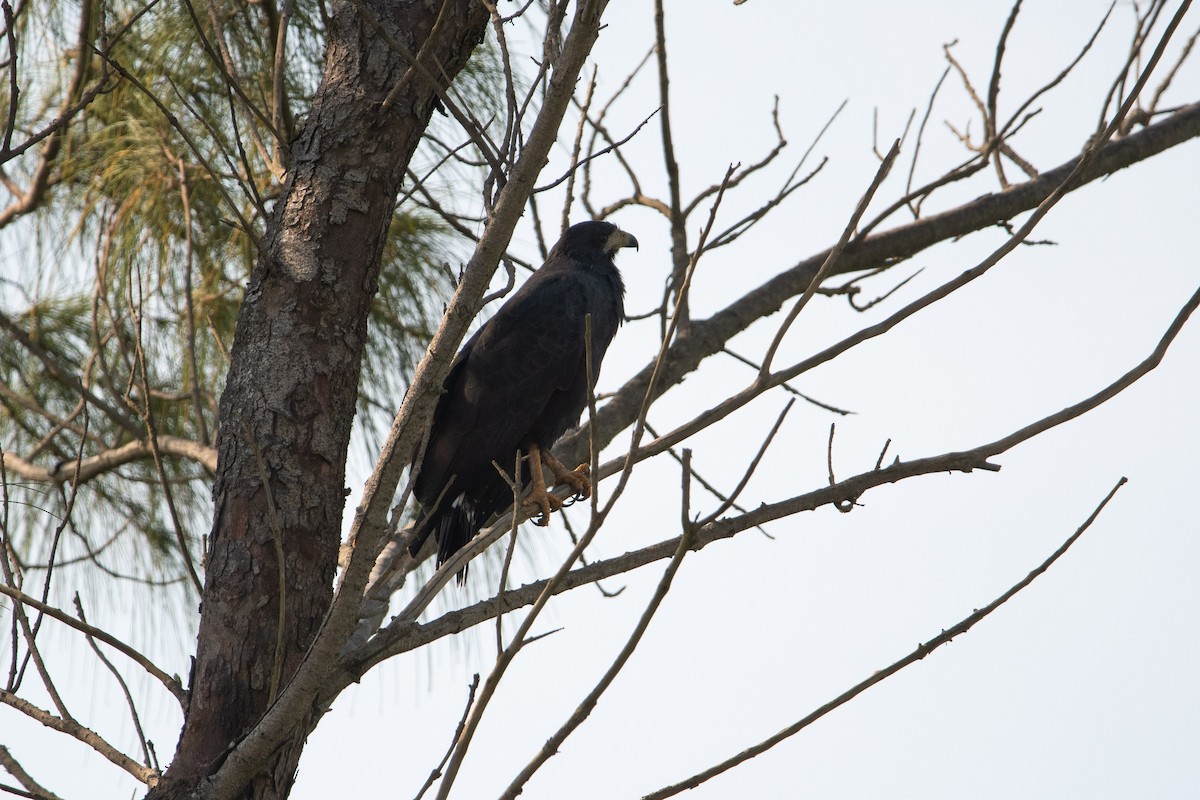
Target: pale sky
[(1083, 686)]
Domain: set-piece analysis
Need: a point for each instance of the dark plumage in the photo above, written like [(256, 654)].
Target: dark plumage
[(519, 383)]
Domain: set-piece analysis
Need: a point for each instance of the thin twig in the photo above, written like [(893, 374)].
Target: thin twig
[(728, 502), (436, 772), (922, 650), (831, 259), (172, 684), (589, 702), (30, 632), (611, 147), (700, 479), (147, 410), (189, 310), (515, 483), (133, 712)]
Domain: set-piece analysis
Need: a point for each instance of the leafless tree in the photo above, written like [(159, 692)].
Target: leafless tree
[(295, 608)]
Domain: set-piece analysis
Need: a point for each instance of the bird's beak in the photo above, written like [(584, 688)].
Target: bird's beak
[(618, 239)]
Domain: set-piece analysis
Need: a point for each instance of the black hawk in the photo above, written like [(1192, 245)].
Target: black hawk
[(518, 384)]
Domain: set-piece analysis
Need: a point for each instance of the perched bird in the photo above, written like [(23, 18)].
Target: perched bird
[(518, 384)]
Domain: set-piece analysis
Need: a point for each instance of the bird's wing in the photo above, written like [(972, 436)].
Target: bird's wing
[(531, 350)]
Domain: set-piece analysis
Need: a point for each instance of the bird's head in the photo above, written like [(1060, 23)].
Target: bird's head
[(584, 238)]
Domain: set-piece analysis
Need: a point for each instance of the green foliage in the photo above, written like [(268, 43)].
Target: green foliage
[(135, 257)]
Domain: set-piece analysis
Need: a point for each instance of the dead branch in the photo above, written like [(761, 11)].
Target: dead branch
[(33, 789), (83, 734), (945, 637), (730, 501), (437, 771), (133, 712), (710, 335), (589, 702), (402, 635), (834, 254), (676, 219), (172, 684)]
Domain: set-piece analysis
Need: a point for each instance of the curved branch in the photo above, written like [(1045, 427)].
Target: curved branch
[(93, 466), (708, 336)]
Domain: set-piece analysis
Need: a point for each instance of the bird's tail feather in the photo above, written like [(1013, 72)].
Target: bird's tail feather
[(452, 526), (456, 527)]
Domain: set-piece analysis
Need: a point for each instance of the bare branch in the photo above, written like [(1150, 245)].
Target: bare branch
[(133, 712), (729, 501), (86, 735), (678, 222), (787, 387), (945, 637), (185, 552), (109, 460), (693, 474), (912, 167), (832, 258), (9, 763), (172, 684), (1005, 131), (404, 635), (589, 702), (437, 771), (1165, 83), (611, 147), (989, 115), (710, 335), (20, 618), (599, 130)]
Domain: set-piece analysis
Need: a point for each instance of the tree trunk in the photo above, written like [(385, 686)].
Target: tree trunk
[(289, 400)]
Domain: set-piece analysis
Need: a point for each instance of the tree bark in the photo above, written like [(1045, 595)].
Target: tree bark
[(289, 400)]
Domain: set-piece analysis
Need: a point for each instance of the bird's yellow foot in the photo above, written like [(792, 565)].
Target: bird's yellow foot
[(540, 501), (577, 479), (538, 498)]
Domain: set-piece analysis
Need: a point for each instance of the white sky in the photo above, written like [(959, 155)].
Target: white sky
[(1083, 686)]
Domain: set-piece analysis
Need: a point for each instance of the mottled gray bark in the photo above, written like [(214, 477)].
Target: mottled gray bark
[(289, 400)]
